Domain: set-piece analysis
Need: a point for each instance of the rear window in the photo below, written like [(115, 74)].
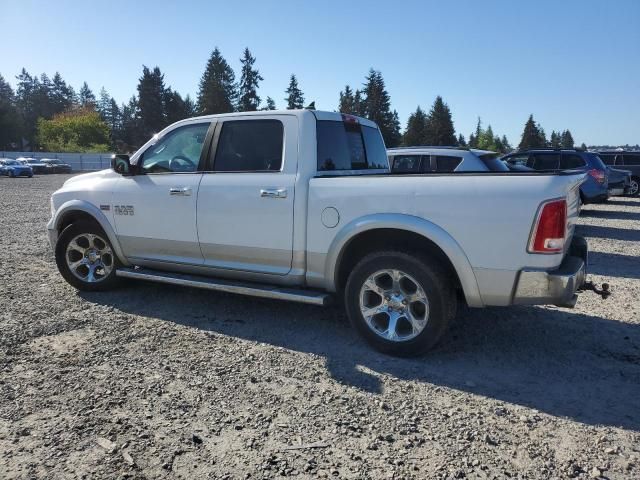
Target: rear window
[(493, 162), (446, 163), (544, 161), (406, 164), (571, 160), (349, 146)]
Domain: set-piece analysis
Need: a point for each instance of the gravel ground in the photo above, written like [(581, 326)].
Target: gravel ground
[(154, 381)]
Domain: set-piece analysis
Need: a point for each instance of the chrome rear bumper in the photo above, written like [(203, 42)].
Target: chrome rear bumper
[(555, 287)]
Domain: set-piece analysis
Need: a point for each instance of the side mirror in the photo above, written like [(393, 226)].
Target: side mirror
[(121, 164)]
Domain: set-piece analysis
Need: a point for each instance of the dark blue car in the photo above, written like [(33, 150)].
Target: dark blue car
[(13, 168), (594, 190)]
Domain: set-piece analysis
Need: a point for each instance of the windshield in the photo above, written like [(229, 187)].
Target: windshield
[(493, 162), (11, 162)]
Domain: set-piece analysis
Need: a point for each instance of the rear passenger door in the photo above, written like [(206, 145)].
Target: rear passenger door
[(246, 196)]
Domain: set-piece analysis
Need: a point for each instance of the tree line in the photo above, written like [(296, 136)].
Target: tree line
[(47, 113)]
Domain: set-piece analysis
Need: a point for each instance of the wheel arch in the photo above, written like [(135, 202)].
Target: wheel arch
[(385, 231), (76, 210)]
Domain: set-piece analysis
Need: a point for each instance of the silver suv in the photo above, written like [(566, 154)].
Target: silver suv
[(443, 160)]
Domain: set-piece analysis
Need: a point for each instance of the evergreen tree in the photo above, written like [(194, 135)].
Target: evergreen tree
[(461, 141), (104, 104), (531, 136), (270, 104), (543, 137), (506, 146), (218, 92), (62, 96), (413, 135), (295, 98), (130, 136), (377, 107), (250, 79), (189, 106), (583, 146), (175, 107), (439, 127), (486, 141), (114, 118), (567, 139), (86, 96), (473, 142), (474, 138), (346, 100), (555, 140), (9, 118), (151, 102)]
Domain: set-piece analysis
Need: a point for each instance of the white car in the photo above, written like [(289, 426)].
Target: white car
[(444, 160), (300, 205)]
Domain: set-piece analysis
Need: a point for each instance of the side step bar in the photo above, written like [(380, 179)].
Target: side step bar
[(252, 289)]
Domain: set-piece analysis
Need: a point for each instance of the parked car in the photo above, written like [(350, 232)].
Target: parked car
[(619, 181), (56, 166), (627, 160), (36, 165), (14, 168), (300, 205), (594, 190), (443, 159)]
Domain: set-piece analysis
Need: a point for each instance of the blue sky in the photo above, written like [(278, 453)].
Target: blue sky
[(573, 64)]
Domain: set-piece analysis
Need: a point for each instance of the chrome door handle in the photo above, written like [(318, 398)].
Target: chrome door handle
[(183, 191), (273, 192)]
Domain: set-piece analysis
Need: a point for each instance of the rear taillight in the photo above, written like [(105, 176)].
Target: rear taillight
[(598, 175), (550, 229)]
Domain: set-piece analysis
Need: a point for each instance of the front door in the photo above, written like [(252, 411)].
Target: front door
[(245, 203), (155, 210)]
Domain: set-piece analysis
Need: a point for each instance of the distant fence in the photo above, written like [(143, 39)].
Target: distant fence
[(78, 161)]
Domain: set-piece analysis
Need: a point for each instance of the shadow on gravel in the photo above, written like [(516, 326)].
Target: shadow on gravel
[(559, 362), (614, 265), (625, 203), (608, 232), (611, 214)]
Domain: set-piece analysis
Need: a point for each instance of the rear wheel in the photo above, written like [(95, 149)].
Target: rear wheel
[(85, 257), (400, 303), (634, 187)]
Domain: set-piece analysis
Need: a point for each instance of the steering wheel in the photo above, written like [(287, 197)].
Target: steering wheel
[(176, 166)]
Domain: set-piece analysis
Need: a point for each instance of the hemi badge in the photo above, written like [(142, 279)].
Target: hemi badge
[(105, 207)]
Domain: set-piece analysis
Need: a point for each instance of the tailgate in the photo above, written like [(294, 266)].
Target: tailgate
[(573, 203)]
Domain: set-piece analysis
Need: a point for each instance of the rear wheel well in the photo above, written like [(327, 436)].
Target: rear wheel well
[(384, 239)]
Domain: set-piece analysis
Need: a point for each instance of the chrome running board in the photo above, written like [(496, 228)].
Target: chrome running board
[(253, 289)]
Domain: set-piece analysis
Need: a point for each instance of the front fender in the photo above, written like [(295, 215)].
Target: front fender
[(71, 206), (410, 223)]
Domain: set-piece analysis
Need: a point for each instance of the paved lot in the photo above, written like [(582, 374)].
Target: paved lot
[(161, 382)]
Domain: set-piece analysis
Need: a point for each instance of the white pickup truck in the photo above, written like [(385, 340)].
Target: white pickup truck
[(300, 205)]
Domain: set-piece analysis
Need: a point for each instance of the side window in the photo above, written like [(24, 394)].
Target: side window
[(631, 159), (347, 145), (177, 151), (545, 161), (446, 163), (406, 163), (571, 160), (249, 146), (518, 160)]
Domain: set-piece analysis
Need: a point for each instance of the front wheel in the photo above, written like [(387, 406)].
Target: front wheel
[(85, 257), (400, 303), (634, 187)]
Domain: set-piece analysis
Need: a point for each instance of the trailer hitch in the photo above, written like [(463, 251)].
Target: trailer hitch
[(604, 291)]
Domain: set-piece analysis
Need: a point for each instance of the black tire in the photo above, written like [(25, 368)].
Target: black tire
[(106, 282), (436, 284), (635, 184)]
